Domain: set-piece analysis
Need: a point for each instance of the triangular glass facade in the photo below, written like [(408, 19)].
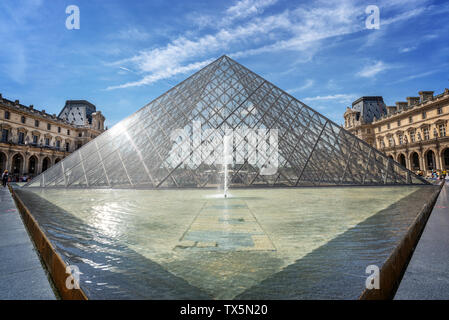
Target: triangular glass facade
[(177, 141)]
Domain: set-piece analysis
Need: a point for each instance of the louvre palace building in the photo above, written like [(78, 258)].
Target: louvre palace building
[(413, 132), (33, 140)]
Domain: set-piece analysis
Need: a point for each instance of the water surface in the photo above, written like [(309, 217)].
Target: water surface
[(297, 243)]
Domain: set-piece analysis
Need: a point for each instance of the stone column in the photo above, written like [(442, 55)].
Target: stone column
[(39, 164), (25, 164), (408, 163), (439, 160), (422, 162)]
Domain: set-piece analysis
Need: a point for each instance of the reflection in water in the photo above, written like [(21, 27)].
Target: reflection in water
[(259, 243)]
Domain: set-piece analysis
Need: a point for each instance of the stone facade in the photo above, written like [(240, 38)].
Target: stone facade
[(32, 141), (413, 132)]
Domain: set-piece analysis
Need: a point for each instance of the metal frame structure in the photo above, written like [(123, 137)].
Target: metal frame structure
[(312, 150)]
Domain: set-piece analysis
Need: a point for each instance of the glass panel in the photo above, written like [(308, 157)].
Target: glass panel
[(220, 99)]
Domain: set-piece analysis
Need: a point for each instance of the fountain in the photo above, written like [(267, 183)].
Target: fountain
[(226, 160)]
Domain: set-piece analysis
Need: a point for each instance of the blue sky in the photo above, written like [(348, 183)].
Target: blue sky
[(126, 53)]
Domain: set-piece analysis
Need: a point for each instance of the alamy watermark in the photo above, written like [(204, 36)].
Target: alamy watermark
[(192, 147), (373, 280), (73, 280), (73, 20), (373, 20)]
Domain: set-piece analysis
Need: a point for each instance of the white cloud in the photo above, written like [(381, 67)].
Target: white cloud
[(239, 10), (245, 8), (308, 84), (373, 69), (407, 49), (341, 97), (168, 61), (131, 34), (300, 30), (163, 74)]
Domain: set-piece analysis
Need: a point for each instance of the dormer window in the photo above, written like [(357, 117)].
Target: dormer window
[(442, 129), (412, 136), (426, 133)]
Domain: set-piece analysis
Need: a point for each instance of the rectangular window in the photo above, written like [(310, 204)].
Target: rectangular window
[(400, 139), (59, 129), (67, 146), (36, 123), (388, 126), (426, 133), (424, 115), (35, 139), (5, 133), (412, 136), (47, 142), (48, 126), (21, 138), (68, 132), (442, 129), (410, 119), (22, 119), (439, 110), (7, 114), (58, 144), (399, 123)]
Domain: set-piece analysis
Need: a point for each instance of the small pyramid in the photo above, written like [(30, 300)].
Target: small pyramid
[(176, 141)]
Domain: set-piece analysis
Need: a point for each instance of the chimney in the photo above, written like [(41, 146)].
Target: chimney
[(401, 105), (391, 109), (426, 95), (412, 101), (53, 115), (43, 111), (16, 102), (31, 107)]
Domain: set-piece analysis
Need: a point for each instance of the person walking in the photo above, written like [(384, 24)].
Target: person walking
[(5, 178)]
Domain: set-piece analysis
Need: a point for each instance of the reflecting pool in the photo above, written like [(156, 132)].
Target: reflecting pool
[(292, 243)]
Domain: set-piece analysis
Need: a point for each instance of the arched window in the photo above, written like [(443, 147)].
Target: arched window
[(415, 161), (32, 165), (430, 159)]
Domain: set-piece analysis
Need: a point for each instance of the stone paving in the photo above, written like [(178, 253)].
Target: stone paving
[(427, 275), (22, 276)]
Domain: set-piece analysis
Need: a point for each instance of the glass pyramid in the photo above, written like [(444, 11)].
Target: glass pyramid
[(177, 141)]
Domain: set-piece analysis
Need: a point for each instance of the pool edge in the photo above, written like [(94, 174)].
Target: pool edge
[(394, 267), (55, 265)]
